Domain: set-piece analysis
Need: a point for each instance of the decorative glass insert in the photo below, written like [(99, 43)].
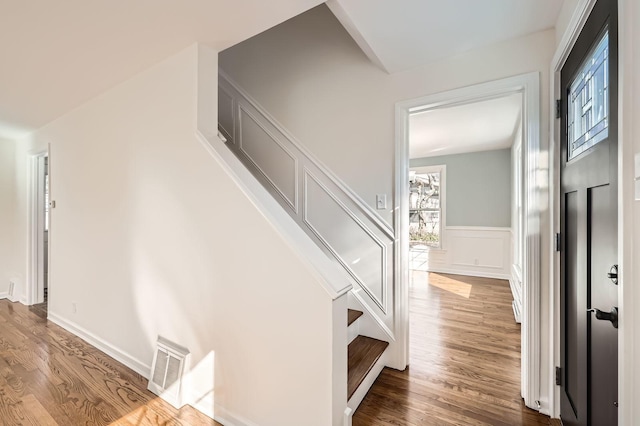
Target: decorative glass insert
[(424, 209), (588, 118)]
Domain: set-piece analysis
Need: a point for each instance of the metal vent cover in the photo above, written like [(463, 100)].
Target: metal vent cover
[(166, 378)]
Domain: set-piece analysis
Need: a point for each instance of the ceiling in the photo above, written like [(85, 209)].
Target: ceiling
[(406, 34), (56, 55), (479, 126)]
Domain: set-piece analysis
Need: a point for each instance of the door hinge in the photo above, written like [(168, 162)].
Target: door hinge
[(558, 376), (558, 108), (557, 242)]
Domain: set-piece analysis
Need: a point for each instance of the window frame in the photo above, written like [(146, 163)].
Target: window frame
[(442, 170)]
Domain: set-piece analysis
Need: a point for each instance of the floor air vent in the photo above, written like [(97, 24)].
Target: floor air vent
[(167, 371)]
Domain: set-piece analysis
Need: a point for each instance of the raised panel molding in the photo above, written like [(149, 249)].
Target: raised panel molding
[(345, 228), (338, 225), (475, 251), (271, 158), (226, 116)]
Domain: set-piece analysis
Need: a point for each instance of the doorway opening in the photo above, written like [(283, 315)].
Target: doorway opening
[(38, 288), (460, 253)]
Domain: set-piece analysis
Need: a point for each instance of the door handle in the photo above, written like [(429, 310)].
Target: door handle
[(607, 316)]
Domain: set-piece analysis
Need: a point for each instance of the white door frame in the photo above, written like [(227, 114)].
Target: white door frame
[(529, 86), (35, 233), (628, 408)]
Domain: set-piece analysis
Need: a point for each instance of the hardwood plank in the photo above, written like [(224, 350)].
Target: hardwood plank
[(464, 360), (353, 315), (37, 412), (50, 377), (363, 354)]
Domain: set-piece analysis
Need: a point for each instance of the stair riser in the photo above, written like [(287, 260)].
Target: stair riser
[(353, 330), (368, 381)]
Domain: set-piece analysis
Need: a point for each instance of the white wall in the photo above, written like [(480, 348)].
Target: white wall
[(312, 77), (150, 236), (478, 187), (8, 268), (564, 17)]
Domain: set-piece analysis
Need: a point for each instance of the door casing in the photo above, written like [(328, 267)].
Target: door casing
[(529, 86), (34, 291)]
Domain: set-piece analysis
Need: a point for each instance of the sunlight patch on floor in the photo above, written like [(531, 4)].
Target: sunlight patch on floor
[(452, 285)]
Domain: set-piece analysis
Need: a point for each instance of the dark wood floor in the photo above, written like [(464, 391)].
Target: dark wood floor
[(464, 364), (49, 377)]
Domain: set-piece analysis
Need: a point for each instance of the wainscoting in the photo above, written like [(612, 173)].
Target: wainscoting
[(466, 250), (346, 228)]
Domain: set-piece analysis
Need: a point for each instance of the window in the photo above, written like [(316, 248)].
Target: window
[(425, 206), (589, 101)]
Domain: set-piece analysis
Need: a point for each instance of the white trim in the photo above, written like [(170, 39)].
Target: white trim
[(34, 291), (370, 378), (442, 169), (104, 346), (293, 204), (628, 293), (529, 85), (479, 228), (224, 416), (331, 279), (348, 417), (382, 304), (4, 295), (348, 207)]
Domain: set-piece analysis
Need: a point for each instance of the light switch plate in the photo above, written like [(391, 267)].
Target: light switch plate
[(381, 201)]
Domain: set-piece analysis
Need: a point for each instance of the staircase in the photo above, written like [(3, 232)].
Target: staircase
[(349, 232), (365, 360)]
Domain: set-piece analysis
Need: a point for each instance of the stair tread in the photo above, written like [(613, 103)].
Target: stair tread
[(363, 354), (353, 315)]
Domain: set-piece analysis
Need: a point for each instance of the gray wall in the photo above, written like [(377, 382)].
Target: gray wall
[(478, 187)]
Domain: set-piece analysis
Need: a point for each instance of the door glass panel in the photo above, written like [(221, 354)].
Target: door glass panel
[(588, 118)]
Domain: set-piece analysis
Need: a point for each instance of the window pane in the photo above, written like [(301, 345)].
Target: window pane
[(589, 101), (424, 208)]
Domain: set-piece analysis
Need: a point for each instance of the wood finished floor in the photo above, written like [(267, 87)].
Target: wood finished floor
[(49, 377), (464, 363)]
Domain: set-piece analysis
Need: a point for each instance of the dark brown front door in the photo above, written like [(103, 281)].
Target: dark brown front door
[(588, 216)]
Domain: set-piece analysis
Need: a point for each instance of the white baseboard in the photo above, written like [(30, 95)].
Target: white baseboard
[(117, 354), (227, 418), (470, 273), (4, 295)]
